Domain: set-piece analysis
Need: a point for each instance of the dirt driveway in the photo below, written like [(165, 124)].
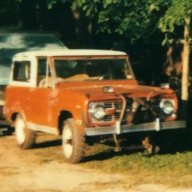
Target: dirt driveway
[(43, 169)]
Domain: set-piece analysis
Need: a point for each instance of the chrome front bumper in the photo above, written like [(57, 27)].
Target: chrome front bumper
[(119, 129)]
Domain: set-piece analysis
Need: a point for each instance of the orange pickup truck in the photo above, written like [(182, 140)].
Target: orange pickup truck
[(83, 93)]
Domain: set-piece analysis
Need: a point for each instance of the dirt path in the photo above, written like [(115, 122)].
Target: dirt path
[(42, 169)]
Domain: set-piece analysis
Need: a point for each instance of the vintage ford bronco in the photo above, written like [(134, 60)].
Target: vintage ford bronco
[(83, 93)]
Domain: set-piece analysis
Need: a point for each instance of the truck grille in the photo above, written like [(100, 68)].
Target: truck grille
[(146, 111), (117, 106), (112, 108)]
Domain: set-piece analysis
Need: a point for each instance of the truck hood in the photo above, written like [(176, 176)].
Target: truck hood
[(108, 90)]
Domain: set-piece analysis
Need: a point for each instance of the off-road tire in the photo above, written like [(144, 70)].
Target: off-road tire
[(73, 142), (25, 137)]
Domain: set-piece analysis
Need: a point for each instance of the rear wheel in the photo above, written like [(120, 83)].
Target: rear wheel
[(73, 142), (24, 136)]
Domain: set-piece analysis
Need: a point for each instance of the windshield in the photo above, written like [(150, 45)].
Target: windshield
[(93, 69)]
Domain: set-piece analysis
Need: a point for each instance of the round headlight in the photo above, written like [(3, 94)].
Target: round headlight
[(97, 111), (167, 107)]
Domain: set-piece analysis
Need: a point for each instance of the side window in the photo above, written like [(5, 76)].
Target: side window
[(43, 74), (22, 71), (42, 68)]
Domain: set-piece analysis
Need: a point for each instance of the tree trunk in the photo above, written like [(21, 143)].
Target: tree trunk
[(185, 71), (185, 59)]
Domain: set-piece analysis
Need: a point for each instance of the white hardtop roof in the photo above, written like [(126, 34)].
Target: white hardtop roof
[(70, 52)]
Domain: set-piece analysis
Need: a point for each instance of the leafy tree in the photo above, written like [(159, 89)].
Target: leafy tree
[(178, 14), (133, 19)]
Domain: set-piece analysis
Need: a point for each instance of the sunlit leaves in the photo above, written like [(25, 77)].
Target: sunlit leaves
[(132, 19), (175, 15)]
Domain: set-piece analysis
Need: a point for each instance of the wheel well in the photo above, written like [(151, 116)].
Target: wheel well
[(62, 117)]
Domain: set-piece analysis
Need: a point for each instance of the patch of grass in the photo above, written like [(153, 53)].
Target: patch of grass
[(171, 169)]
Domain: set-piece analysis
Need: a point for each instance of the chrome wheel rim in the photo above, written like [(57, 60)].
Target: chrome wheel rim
[(20, 131)]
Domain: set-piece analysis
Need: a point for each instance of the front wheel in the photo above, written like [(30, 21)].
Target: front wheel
[(24, 136), (73, 142)]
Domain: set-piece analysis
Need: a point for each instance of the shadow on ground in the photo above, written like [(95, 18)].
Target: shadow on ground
[(170, 143), (45, 144)]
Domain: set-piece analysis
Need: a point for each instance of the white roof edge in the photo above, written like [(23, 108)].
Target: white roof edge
[(69, 52)]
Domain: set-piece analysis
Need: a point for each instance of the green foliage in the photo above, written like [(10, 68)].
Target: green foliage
[(135, 19), (175, 16), (50, 3), (131, 19)]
